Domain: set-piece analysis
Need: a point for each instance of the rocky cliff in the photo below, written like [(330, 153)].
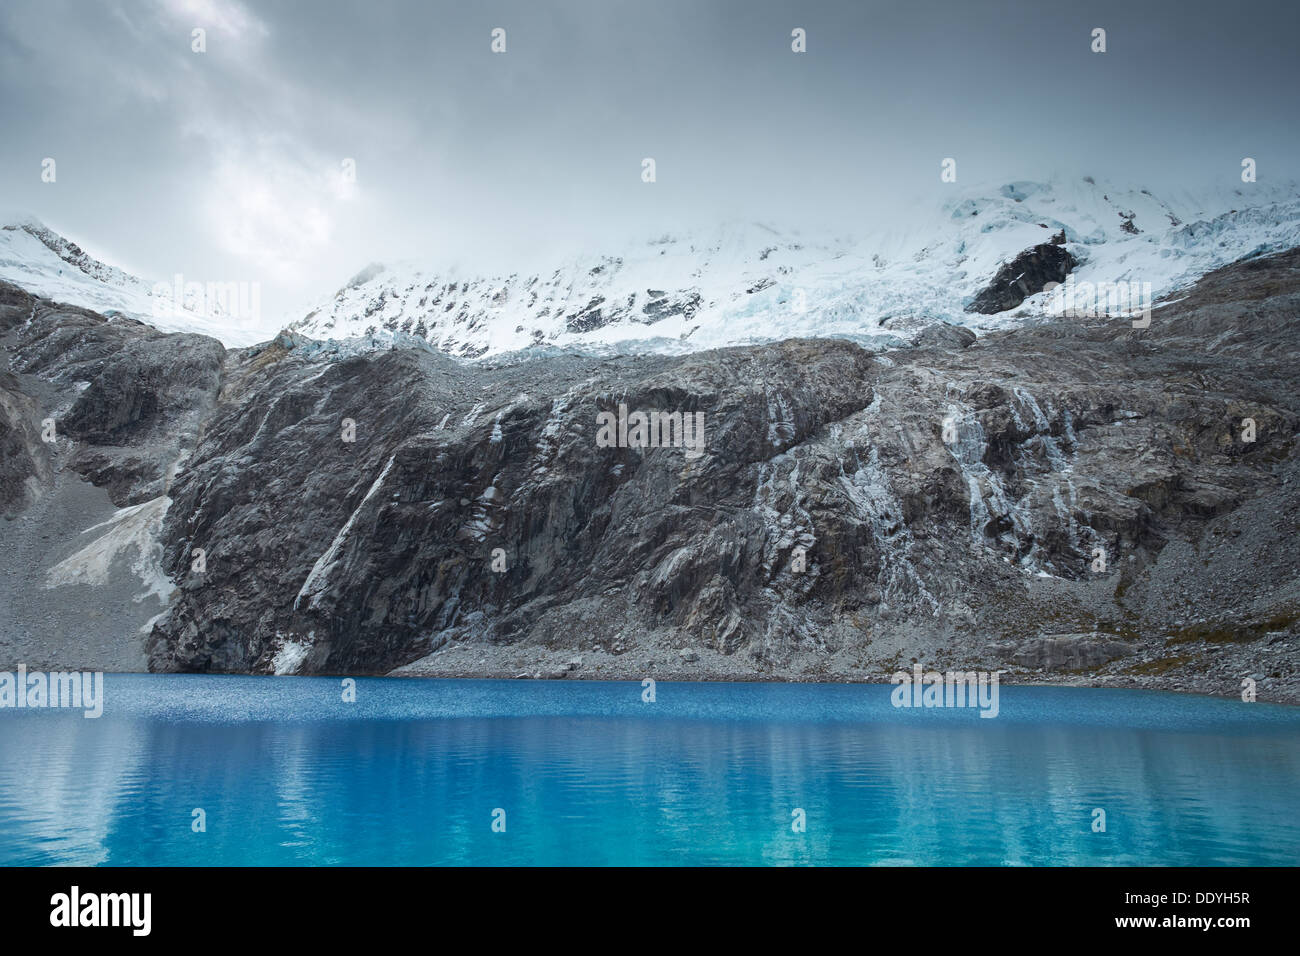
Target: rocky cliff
[(1073, 500)]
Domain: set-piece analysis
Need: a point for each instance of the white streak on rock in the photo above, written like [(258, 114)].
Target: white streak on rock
[(318, 579)]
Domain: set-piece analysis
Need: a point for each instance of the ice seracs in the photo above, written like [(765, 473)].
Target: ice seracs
[(733, 284), (751, 283)]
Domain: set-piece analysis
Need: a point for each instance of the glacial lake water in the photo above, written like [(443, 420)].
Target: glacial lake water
[(588, 773)]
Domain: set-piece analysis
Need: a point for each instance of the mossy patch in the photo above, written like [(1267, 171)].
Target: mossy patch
[(1244, 633), (268, 356), (1162, 665)]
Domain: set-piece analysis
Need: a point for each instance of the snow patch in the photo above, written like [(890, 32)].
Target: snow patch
[(291, 653), (137, 528), (318, 578)]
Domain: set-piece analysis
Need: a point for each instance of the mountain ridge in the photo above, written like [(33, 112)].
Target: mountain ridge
[(739, 283), (1066, 501), (750, 283)]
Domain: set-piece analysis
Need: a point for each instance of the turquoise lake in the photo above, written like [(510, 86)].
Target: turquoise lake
[(587, 773)]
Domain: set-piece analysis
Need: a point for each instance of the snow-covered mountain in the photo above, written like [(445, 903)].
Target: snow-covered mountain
[(734, 284), (45, 263), (753, 283)]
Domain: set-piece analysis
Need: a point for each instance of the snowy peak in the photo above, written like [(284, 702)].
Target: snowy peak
[(39, 260), (735, 284), (653, 290), (73, 257), (747, 283)]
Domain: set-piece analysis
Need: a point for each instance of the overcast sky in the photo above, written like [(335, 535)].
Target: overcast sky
[(228, 164)]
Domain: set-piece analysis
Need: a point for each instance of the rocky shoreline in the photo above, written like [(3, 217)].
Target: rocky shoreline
[(1203, 672)]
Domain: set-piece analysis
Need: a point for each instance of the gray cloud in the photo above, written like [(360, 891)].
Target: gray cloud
[(228, 164)]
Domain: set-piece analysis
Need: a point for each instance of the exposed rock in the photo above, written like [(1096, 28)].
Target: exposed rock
[(1070, 651), (944, 335), (131, 398), (844, 512), (1025, 275), (24, 464)]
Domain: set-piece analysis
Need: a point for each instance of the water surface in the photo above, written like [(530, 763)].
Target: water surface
[(587, 773)]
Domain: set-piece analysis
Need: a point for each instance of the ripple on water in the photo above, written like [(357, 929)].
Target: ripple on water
[(587, 773)]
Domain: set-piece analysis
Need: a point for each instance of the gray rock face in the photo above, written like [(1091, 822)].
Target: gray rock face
[(944, 335), (1025, 275), (129, 398), (24, 466), (452, 463), (1070, 651), (361, 510)]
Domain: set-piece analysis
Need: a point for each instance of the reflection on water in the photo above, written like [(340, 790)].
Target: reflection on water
[(589, 774)]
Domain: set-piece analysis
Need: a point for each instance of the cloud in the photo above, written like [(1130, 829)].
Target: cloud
[(228, 18), (231, 159), (269, 209)]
